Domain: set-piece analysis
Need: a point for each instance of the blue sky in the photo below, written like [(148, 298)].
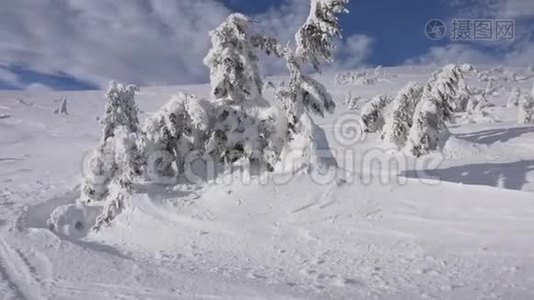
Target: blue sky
[(77, 44), (395, 26)]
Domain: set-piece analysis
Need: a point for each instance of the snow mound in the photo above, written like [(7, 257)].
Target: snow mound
[(456, 148), (73, 220)]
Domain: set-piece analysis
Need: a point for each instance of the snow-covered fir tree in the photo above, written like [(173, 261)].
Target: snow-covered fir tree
[(352, 102), (315, 38), (373, 112), (526, 108), (476, 111), (180, 128), (399, 119), (303, 94), (232, 62), (429, 131), (247, 135), (62, 109), (123, 162), (463, 94), (120, 109), (116, 161)]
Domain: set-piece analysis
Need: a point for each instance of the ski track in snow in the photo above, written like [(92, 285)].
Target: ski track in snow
[(19, 273)]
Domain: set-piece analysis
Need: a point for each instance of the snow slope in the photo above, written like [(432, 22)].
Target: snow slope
[(458, 225)]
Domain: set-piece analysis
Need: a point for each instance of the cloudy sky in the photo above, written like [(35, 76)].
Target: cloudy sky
[(81, 44)]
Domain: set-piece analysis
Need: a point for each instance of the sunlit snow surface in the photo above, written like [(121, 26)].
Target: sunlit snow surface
[(459, 225)]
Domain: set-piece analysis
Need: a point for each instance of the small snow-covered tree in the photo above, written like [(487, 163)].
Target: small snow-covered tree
[(429, 131), (98, 174), (515, 96), (124, 163), (463, 93), (476, 111), (120, 109), (399, 119), (352, 102), (373, 112), (116, 161), (62, 109), (526, 108), (233, 64)]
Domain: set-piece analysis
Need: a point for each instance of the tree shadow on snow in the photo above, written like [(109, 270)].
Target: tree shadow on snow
[(492, 136), (506, 175)]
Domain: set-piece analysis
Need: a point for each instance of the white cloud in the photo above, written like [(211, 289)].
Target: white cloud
[(461, 53), (139, 41), (353, 51), (143, 41), (493, 8), (519, 52), (518, 8), (453, 53)]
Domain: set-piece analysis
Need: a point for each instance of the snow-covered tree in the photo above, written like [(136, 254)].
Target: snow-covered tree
[(120, 109), (314, 45), (526, 108), (476, 111), (109, 180), (123, 162), (315, 38), (463, 93), (373, 112), (515, 96), (247, 135), (178, 129), (429, 131), (399, 119), (352, 102), (232, 62), (62, 109), (98, 174), (116, 161), (303, 94)]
